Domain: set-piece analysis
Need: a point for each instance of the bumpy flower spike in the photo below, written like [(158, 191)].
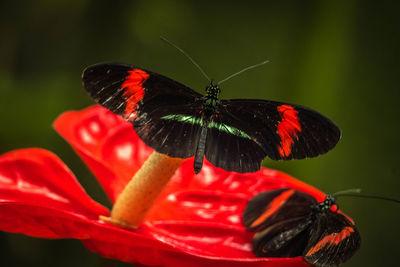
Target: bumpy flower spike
[(139, 195)]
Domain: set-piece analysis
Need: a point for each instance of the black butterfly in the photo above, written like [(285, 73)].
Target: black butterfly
[(235, 134), (291, 223)]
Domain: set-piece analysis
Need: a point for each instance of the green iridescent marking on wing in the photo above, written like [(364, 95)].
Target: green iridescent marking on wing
[(184, 118), (219, 126), (228, 129)]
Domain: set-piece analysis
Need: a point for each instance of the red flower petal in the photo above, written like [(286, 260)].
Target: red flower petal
[(107, 144), (203, 216), (175, 250), (199, 215), (39, 196), (216, 195)]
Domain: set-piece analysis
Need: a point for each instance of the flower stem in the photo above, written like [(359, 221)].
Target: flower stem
[(142, 190)]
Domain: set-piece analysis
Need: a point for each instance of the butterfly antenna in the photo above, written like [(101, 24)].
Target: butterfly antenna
[(187, 55), (348, 191), (243, 70), (356, 193)]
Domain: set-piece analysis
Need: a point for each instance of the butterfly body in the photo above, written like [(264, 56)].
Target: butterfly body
[(290, 223), (208, 111), (234, 134)]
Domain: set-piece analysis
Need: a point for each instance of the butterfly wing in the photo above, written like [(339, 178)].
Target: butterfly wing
[(163, 112), (282, 219), (231, 148), (333, 239), (283, 239), (268, 128)]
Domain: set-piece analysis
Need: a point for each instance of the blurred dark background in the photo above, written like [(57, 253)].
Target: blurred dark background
[(338, 57)]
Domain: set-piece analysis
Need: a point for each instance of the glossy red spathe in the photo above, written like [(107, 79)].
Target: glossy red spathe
[(196, 221)]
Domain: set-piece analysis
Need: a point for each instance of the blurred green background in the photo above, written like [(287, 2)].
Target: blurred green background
[(339, 57)]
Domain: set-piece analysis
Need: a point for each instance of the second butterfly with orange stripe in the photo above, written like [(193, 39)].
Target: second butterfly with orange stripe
[(291, 223)]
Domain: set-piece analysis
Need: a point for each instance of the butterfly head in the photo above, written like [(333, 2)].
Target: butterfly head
[(326, 204), (213, 90)]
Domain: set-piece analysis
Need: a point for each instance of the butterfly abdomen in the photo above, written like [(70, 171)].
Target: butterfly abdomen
[(201, 147)]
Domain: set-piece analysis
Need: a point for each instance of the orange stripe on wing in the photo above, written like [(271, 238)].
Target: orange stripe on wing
[(330, 240), (134, 89), (287, 129), (273, 206)]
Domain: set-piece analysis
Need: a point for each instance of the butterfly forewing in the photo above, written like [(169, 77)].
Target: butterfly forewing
[(121, 87), (283, 131), (275, 206), (104, 84)]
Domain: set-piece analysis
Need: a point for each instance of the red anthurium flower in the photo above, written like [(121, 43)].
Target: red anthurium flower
[(196, 221)]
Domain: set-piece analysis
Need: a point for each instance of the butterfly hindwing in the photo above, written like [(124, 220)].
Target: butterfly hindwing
[(232, 149), (282, 239), (170, 130)]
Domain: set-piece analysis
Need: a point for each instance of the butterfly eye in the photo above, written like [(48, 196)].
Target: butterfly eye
[(334, 207)]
